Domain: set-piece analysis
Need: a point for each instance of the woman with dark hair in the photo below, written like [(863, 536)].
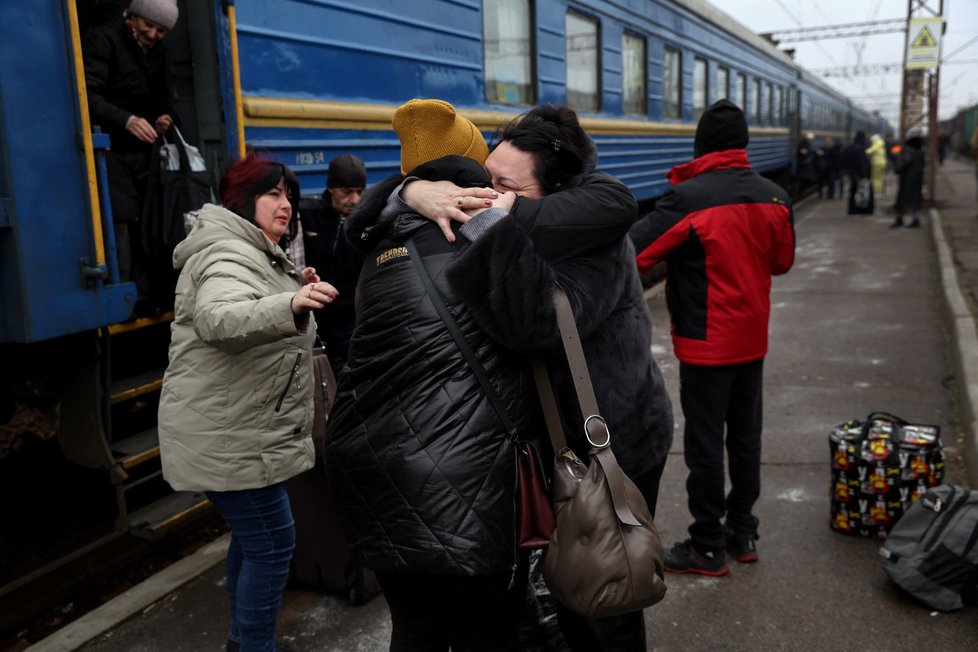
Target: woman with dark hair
[(567, 225), (910, 168), (236, 407)]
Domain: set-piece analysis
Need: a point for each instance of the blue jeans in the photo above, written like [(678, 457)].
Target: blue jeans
[(262, 540)]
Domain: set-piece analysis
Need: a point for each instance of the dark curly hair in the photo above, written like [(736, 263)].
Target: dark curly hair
[(251, 177), (561, 149)]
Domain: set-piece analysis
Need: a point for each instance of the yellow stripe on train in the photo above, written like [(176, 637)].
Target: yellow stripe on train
[(278, 112)]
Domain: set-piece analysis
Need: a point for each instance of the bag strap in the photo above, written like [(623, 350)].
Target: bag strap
[(594, 423), (886, 415), (477, 369)]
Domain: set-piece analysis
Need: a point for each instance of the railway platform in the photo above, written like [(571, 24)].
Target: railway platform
[(870, 318)]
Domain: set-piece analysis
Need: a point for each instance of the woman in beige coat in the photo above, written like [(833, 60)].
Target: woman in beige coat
[(236, 408)]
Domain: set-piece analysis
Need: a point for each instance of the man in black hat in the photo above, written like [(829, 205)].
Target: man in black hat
[(331, 254), (724, 230)]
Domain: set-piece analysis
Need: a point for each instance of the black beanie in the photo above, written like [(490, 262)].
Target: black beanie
[(722, 126), (346, 171)]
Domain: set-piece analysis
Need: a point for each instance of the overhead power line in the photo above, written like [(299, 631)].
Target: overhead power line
[(837, 31), (875, 69)]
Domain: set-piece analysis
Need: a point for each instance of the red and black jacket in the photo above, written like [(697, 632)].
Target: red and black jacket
[(724, 230)]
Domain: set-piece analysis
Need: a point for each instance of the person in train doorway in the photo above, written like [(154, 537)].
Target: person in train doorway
[(877, 163), (332, 255), (419, 459), (129, 99), (861, 199), (236, 408), (720, 221), (910, 170), (567, 223)]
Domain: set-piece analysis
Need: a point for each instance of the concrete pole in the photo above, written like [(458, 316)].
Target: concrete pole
[(902, 127), (933, 93)]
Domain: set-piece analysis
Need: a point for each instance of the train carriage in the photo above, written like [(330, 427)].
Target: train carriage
[(303, 80)]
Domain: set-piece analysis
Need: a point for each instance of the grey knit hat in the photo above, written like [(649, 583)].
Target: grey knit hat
[(162, 12)]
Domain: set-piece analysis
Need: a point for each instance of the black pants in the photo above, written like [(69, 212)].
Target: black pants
[(711, 398), (624, 633), (128, 173), (432, 612)]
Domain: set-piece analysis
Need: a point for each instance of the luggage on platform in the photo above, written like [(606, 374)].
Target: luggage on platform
[(880, 465), (931, 552), (321, 558)]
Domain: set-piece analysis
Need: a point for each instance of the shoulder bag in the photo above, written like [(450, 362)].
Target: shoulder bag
[(323, 394), (605, 557)]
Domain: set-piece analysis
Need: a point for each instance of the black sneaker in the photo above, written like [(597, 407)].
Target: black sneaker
[(742, 546), (684, 558)]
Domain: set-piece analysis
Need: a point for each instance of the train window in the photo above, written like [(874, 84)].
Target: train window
[(633, 74), (764, 115), (723, 83), (741, 97), (700, 90), (582, 62), (777, 101), (672, 76), (755, 101), (508, 47)]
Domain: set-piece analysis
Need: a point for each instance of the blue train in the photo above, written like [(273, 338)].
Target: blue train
[(305, 80)]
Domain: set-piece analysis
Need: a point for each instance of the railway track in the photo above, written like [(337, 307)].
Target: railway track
[(35, 605)]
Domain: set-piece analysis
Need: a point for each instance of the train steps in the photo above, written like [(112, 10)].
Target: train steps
[(137, 357)]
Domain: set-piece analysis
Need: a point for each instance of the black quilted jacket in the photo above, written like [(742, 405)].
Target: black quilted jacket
[(422, 469)]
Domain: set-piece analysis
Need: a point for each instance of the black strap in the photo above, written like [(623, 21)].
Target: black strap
[(480, 372)]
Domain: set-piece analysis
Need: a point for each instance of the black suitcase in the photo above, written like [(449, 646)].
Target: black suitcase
[(321, 558), (880, 465)]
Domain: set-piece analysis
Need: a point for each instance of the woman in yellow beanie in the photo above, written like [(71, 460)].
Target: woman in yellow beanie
[(567, 224), (418, 457)]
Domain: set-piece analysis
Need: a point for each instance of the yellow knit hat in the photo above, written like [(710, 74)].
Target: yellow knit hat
[(430, 129)]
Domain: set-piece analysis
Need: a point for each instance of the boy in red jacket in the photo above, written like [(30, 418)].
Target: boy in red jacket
[(724, 230)]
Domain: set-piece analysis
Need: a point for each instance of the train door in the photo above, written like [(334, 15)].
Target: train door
[(134, 354), (80, 381), (794, 122)]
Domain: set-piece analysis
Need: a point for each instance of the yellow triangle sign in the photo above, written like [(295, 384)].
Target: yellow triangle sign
[(925, 39)]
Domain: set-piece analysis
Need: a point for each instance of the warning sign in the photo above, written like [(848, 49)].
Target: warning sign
[(924, 44), (924, 39)]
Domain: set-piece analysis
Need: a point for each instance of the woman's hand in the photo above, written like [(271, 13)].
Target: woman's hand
[(313, 296), (443, 201), (309, 275), (163, 123)]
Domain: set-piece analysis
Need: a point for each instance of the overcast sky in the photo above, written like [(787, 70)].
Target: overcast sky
[(959, 82)]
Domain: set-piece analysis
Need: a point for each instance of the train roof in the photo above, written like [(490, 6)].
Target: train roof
[(732, 26), (724, 21)]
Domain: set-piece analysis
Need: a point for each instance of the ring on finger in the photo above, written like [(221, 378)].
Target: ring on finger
[(459, 202)]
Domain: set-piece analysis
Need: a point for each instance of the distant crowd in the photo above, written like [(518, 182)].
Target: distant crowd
[(858, 170)]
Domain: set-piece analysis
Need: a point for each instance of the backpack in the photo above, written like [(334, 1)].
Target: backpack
[(931, 552)]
